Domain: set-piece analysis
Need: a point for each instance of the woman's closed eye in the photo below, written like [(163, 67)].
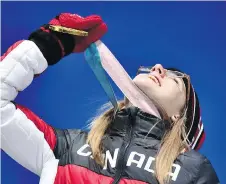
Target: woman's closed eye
[(176, 80), (179, 83)]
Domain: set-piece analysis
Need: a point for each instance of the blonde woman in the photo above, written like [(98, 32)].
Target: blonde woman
[(129, 147)]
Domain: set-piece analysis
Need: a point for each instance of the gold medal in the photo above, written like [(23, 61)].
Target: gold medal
[(68, 30)]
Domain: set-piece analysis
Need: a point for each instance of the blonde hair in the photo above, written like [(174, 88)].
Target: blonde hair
[(173, 143)]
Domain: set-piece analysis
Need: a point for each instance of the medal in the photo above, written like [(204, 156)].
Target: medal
[(68, 30)]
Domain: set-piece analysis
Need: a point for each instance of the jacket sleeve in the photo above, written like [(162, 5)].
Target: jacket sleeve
[(25, 137), (207, 174)]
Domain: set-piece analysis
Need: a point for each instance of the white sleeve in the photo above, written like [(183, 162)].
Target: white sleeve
[(20, 138)]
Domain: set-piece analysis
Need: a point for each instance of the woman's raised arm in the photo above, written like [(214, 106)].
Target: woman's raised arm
[(24, 136)]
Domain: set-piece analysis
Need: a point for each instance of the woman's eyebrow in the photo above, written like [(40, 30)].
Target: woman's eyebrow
[(171, 72)]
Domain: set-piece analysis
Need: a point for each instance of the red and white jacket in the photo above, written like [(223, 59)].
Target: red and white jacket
[(25, 137), (63, 157)]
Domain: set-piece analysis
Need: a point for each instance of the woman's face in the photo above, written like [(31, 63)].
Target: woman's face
[(169, 92)]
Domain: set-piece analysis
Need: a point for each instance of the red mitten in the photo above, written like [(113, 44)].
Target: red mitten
[(55, 45), (93, 24)]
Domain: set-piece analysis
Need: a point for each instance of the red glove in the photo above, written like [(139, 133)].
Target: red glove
[(55, 45), (93, 24)]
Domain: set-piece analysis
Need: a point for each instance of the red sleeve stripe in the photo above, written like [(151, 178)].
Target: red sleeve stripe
[(78, 174), (10, 49), (48, 131)]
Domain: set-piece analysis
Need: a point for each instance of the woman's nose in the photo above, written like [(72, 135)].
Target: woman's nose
[(159, 68)]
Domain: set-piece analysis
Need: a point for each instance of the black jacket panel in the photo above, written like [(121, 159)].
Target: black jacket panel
[(130, 146)]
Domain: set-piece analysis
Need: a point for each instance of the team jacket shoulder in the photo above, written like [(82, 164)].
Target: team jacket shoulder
[(202, 169)]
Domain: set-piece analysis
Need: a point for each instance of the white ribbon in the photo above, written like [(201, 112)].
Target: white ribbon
[(121, 78)]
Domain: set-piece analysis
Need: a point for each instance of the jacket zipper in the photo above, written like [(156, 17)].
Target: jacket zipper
[(121, 162)]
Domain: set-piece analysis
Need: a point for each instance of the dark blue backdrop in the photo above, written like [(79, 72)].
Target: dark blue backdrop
[(187, 35)]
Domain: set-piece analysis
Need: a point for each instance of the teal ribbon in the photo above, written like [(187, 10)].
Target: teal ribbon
[(92, 57)]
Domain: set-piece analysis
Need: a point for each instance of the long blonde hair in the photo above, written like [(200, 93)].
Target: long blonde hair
[(173, 143)]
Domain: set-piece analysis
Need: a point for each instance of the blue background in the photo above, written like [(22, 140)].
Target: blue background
[(187, 35)]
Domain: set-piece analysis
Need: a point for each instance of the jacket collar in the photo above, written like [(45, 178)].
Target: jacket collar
[(143, 125)]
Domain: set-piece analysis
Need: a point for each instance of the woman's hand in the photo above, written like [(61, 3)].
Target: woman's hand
[(55, 45), (93, 24)]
